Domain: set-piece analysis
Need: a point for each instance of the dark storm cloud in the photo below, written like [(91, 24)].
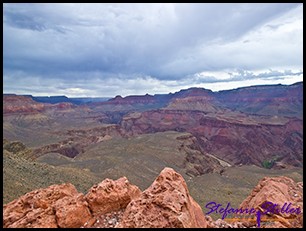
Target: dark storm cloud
[(167, 44)]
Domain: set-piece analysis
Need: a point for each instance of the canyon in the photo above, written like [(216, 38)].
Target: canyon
[(231, 125), (227, 140)]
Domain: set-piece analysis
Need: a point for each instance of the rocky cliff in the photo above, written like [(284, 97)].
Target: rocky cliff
[(286, 100), (17, 104), (166, 203), (234, 139), (260, 125)]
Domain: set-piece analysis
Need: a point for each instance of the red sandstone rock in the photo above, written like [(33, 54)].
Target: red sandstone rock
[(278, 190), (111, 195), (72, 212), (35, 209), (166, 203)]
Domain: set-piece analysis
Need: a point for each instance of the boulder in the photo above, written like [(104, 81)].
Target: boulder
[(166, 203), (72, 212), (278, 190), (110, 195), (35, 209)]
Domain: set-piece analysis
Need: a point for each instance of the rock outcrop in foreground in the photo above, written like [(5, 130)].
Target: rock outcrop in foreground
[(166, 203), (278, 190)]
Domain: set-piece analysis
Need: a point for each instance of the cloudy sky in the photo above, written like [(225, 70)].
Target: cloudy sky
[(91, 50)]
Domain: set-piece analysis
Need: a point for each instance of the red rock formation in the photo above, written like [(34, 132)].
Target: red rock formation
[(111, 195), (166, 203), (35, 209), (64, 105), (26, 105), (198, 103), (19, 104), (235, 141), (132, 99), (278, 190), (79, 139), (231, 136), (193, 91), (276, 100), (62, 206), (72, 212)]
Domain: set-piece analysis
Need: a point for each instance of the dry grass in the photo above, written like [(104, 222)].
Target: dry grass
[(142, 158), (21, 176), (234, 185)]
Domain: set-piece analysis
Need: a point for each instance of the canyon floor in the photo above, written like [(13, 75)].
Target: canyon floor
[(140, 160)]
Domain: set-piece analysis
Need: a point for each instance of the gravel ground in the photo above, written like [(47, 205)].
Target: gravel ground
[(108, 220)]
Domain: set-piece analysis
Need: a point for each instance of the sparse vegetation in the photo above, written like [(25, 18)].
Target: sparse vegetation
[(115, 158), (21, 176), (268, 164)]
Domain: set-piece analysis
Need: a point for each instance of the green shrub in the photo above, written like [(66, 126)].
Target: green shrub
[(268, 163)]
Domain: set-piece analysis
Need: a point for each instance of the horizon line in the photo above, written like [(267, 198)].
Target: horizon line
[(258, 85)]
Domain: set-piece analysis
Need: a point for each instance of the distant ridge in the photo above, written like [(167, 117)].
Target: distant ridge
[(65, 99), (182, 92), (285, 100)]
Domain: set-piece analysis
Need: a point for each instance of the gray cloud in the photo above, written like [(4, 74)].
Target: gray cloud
[(97, 84), (65, 43)]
